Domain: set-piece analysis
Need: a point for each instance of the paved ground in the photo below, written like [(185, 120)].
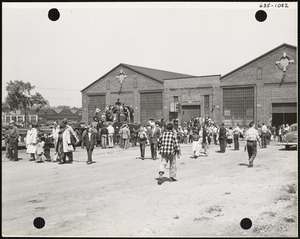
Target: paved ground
[(119, 195)]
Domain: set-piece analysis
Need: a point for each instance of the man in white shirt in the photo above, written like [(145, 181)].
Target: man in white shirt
[(251, 137), (111, 132), (264, 131)]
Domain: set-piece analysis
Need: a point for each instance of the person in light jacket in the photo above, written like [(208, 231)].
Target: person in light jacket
[(31, 138), (67, 147)]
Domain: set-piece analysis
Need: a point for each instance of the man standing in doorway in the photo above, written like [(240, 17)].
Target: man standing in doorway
[(251, 138), (168, 148)]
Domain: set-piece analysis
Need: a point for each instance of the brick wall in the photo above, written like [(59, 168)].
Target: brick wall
[(130, 94), (267, 88), (191, 91)]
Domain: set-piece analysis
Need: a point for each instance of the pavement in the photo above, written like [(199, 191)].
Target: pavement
[(118, 195)]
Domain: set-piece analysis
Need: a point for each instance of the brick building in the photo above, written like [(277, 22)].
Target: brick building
[(253, 92), (264, 90), (150, 92)]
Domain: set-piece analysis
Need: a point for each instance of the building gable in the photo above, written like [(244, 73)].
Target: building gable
[(264, 68)]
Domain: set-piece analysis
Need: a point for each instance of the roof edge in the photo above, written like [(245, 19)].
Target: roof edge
[(192, 77), (100, 77), (255, 59), (128, 66)]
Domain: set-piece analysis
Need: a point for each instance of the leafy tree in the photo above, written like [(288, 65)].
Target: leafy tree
[(19, 97)]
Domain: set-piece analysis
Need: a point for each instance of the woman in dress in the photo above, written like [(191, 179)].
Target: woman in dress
[(31, 141)]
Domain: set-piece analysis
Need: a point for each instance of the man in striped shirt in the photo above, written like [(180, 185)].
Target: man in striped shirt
[(168, 147), (251, 136)]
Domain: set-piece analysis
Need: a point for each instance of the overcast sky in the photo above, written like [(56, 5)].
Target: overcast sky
[(62, 57)]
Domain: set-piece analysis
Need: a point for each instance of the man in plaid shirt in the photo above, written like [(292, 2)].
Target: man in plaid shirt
[(168, 147)]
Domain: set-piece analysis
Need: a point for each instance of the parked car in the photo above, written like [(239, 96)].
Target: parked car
[(290, 138)]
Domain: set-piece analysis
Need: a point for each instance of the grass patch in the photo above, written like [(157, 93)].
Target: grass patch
[(201, 219), (290, 219), (213, 209), (271, 214), (291, 188), (284, 197)]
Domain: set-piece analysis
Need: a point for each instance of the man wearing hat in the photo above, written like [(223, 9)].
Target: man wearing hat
[(13, 138), (222, 138), (66, 141)]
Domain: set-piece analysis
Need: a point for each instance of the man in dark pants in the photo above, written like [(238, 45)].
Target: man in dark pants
[(264, 130), (236, 135), (143, 140), (154, 134), (251, 138), (13, 139), (222, 138), (90, 140)]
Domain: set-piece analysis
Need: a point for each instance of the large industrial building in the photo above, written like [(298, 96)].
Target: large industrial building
[(262, 90)]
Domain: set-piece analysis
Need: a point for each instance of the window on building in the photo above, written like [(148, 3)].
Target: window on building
[(238, 103), (7, 118), (107, 84), (259, 74), (206, 105), (135, 83)]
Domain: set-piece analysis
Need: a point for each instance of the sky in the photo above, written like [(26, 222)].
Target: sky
[(62, 57)]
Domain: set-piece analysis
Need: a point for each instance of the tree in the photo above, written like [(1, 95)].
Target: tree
[(19, 97)]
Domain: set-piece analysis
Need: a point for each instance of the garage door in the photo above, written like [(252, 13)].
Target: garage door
[(151, 106), (190, 111), (284, 113), (97, 101)]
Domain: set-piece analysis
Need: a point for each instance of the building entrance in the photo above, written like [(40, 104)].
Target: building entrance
[(284, 113), (190, 111)]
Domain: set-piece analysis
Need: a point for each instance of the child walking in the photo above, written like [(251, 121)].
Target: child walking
[(39, 150)]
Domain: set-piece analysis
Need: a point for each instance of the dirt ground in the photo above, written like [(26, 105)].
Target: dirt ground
[(119, 195)]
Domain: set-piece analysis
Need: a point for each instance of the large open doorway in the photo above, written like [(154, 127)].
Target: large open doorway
[(284, 113), (190, 111)]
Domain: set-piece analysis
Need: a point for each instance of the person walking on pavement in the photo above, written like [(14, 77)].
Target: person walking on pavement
[(204, 138), (251, 138), (54, 135), (126, 136), (111, 131), (67, 147), (103, 135), (236, 135), (154, 135), (168, 148), (229, 136), (264, 131), (31, 138), (90, 140), (13, 139), (222, 138), (143, 140)]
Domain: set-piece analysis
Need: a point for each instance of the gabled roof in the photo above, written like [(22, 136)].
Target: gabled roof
[(74, 111), (155, 74), (57, 110), (248, 63), (159, 75)]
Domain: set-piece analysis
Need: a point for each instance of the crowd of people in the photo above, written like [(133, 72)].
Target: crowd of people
[(199, 132), (117, 113)]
